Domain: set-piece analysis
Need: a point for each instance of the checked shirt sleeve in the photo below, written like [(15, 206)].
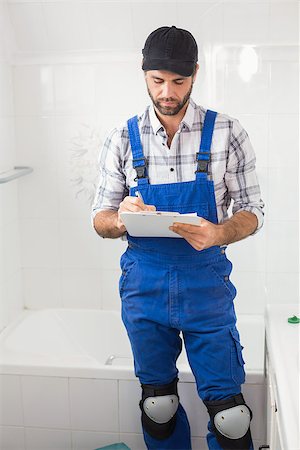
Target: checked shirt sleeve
[(111, 188), (240, 177)]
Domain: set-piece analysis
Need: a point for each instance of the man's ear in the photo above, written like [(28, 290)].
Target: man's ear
[(194, 76)]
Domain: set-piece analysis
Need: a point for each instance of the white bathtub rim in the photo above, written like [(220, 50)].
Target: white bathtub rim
[(83, 365)]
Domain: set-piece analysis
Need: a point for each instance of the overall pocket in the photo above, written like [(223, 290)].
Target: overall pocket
[(237, 361), (221, 271), (201, 210), (127, 265)]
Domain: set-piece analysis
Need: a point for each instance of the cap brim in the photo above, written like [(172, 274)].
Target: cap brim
[(184, 68)]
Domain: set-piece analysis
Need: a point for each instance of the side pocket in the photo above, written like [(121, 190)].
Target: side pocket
[(126, 269), (222, 270), (237, 361)]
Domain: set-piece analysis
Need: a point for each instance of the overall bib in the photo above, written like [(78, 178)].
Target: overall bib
[(167, 286)]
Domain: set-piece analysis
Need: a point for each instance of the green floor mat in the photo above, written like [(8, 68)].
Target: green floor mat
[(119, 446)]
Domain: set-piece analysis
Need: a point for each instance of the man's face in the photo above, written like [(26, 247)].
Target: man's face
[(168, 91)]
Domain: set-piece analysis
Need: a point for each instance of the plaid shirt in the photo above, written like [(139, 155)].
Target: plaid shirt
[(232, 164)]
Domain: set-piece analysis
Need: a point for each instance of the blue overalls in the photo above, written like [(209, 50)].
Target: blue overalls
[(167, 286)]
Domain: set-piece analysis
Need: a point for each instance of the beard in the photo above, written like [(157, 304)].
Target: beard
[(170, 110)]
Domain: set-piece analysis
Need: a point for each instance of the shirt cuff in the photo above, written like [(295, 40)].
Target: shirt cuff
[(259, 214)]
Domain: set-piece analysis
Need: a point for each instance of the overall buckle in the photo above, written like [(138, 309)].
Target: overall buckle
[(202, 164), (140, 170)]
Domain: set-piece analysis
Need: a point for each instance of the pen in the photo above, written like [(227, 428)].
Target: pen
[(139, 195)]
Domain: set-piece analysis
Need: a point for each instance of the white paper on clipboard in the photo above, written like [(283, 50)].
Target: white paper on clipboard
[(155, 223)]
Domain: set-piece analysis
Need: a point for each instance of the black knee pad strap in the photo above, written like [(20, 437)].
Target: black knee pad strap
[(214, 407), (158, 430)]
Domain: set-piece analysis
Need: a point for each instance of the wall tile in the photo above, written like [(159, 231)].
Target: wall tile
[(284, 190), (255, 398), (90, 251), (36, 142), (13, 294), (168, 16), (209, 88), (146, 19), (42, 288), (10, 400), (112, 89), (40, 243), (11, 248), (33, 90), (283, 147), (135, 441), (9, 212), (129, 397), (6, 88), (94, 404), (29, 26), (284, 23), (240, 19), (81, 288), (110, 289), (257, 127), (194, 407), (249, 301), (38, 195), (101, 17), (80, 246), (284, 89), (247, 96), (199, 443), (63, 21), (46, 402), (74, 88), (282, 287), (249, 254), (7, 142), (283, 246), (204, 21), (87, 440), (12, 438), (37, 439)]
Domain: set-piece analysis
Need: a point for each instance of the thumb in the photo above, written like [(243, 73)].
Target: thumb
[(151, 208)]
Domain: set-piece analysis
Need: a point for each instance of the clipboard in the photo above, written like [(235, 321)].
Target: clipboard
[(155, 223)]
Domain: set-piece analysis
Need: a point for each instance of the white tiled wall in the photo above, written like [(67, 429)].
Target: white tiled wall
[(70, 71), (70, 88), (11, 301), (52, 413)]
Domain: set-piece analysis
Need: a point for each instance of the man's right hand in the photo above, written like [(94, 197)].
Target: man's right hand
[(132, 204)]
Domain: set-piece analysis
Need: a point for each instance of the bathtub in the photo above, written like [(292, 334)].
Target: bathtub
[(88, 352)]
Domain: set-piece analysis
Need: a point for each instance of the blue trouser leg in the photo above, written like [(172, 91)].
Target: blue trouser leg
[(157, 302), (180, 438), (212, 340)]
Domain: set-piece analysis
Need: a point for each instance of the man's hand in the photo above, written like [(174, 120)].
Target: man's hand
[(132, 204), (207, 234), (201, 236)]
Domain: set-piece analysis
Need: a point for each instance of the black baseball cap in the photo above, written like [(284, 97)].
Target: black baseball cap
[(172, 49)]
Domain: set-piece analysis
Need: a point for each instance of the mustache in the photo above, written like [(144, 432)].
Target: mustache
[(167, 99)]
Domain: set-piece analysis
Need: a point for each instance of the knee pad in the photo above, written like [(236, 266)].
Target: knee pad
[(159, 405), (230, 421)]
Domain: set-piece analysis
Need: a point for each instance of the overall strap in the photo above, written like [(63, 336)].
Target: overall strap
[(138, 159), (203, 156)]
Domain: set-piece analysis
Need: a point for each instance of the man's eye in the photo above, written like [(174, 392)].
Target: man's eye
[(158, 81), (179, 82)]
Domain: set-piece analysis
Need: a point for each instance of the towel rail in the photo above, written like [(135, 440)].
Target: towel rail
[(16, 172)]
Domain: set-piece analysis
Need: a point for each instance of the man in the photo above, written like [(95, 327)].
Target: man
[(182, 284)]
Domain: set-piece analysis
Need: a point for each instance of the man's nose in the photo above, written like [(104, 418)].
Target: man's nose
[(167, 90)]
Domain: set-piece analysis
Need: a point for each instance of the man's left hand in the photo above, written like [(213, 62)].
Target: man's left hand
[(201, 236)]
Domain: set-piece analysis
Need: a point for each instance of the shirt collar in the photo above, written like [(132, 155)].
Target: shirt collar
[(187, 120)]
